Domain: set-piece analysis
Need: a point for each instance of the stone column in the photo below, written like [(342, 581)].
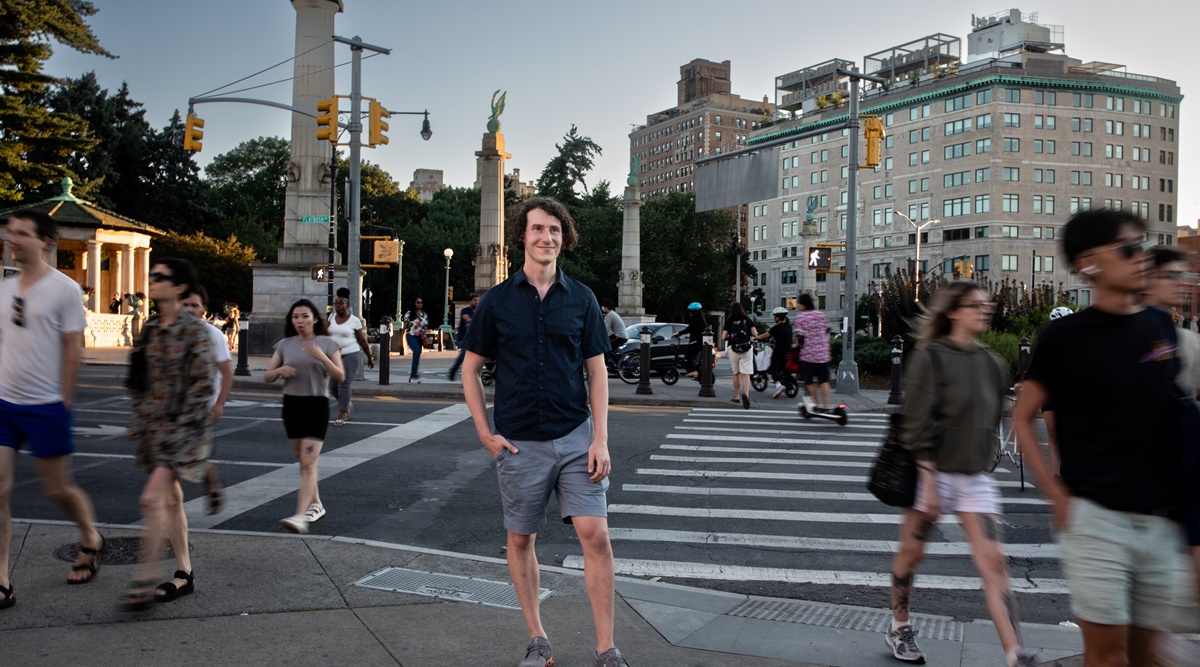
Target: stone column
[(142, 277), (127, 284), (116, 267), (93, 274), (491, 257), (629, 288), (308, 170)]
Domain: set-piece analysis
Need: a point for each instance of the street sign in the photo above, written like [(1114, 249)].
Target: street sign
[(387, 252), (820, 259), (314, 219), (321, 273)]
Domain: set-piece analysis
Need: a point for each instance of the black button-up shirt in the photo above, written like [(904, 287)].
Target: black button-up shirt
[(539, 346)]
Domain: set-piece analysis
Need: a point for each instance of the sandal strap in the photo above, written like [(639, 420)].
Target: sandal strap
[(92, 552), (7, 591), (85, 566), (180, 574)]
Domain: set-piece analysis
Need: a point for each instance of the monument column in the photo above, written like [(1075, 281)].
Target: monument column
[(491, 256), (93, 274), (629, 287)]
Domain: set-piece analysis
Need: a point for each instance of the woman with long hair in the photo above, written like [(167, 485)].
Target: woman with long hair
[(953, 395), (169, 427), (307, 359), (738, 333), (349, 333)]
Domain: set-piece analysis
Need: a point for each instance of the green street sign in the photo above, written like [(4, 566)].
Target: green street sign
[(318, 219)]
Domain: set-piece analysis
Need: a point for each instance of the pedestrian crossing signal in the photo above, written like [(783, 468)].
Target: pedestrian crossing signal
[(820, 259), (321, 273)]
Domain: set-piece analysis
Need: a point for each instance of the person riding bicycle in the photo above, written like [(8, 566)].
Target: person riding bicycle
[(695, 331), (781, 334), (615, 327)]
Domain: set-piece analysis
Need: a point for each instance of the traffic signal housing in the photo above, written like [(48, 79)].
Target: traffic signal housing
[(873, 132), (192, 134), (377, 126), (327, 120), (819, 258), (964, 269)]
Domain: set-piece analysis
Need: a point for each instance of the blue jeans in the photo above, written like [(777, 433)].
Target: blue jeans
[(414, 345), (462, 352), (341, 390)]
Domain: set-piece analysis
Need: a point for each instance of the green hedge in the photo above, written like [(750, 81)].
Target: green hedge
[(873, 355)]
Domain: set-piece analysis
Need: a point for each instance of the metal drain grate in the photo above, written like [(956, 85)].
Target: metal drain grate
[(846, 618), (446, 587)]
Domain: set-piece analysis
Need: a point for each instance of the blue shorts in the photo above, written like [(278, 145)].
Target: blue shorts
[(542, 466), (45, 428)]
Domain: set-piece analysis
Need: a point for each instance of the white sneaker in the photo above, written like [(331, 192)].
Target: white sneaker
[(315, 512), (297, 524), (414, 380), (903, 643), (779, 389)]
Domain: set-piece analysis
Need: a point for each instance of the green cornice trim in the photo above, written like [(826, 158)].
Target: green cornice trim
[(982, 82)]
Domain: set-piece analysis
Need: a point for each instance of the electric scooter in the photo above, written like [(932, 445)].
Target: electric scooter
[(808, 410)]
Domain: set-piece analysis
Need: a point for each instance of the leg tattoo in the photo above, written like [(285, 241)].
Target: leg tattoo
[(901, 593), (921, 531), (1010, 603)]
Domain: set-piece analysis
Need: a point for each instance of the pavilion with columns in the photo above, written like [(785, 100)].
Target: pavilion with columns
[(105, 253)]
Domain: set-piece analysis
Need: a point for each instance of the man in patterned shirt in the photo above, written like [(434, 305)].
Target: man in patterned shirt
[(812, 333)]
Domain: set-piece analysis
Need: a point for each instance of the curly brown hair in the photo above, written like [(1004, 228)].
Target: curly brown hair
[(551, 207)]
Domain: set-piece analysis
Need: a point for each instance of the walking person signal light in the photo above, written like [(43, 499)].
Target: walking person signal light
[(820, 258)]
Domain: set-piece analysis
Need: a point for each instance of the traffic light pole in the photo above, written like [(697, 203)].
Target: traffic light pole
[(332, 222)]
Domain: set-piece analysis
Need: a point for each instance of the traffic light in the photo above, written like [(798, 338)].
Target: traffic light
[(378, 127), (192, 134), (964, 269), (820, 258), (873, 131), (327, 120)]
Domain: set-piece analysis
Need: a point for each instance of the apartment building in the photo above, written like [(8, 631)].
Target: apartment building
[(999, 149), (707, 119)]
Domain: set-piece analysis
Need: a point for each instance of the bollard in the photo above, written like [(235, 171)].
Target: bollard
[(1023, 357), (385, 354), (243, 366), (897, 369), (706, 364), (644, 368)]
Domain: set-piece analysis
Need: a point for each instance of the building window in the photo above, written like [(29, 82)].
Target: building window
[(983, 121), (957, 150), (952, 208), (983, 146), (1047, 97), (1012, 120), (787, 278), (1046, 146), (983, 262), (1012, 174), (983, 97), (1081, 100), (956, 179), (958, 103), (958, 127), (1012, 95), (983, 175), (960, 234), (1008, 263), (981, 232), (717, 120), (1009, 231), (983, 203), (1011, 204), (881, 270), (1012, 145)]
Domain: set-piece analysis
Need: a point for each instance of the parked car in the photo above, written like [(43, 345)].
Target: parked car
[(662, 346)]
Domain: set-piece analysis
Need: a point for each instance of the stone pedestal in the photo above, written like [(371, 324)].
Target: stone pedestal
[(491, 256), (276, 288)]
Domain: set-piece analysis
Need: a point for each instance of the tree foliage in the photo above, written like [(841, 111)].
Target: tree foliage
[(35, 140), (248, 187), (222, 264), (683, 256), (569, 168)]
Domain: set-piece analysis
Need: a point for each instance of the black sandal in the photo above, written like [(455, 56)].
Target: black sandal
[(9, 599), (93, 564), (139, 597), (168, 591)]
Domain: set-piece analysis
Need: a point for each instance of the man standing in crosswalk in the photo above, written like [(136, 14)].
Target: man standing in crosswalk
[(544, 328)]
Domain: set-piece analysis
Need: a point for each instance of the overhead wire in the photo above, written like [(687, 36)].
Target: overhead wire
[(284, 62), (290, 78)]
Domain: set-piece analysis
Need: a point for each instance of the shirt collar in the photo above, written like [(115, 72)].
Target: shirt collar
[(560, 278)]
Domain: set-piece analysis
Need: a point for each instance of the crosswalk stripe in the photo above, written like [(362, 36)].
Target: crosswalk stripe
[(780, 493), (764, 515), (868, 416), (784, 476), (764, 450), (792, 425), (817, 543), (771, 461), (682, 570), (775, 441)]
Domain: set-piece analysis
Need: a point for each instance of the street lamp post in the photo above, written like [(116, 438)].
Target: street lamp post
[(917, 278), (448, 253)]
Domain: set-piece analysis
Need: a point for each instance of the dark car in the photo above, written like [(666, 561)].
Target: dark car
[(662, 346)]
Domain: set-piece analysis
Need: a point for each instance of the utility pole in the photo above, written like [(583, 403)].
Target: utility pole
[(847, 377)]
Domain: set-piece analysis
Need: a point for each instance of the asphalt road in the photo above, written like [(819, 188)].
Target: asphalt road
[(751, 501)]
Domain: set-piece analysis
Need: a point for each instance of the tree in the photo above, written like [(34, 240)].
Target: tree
[(683, 253), (175, 197), (248, 186), (35, 141), (569, 168), (223, 264), (596, 260)]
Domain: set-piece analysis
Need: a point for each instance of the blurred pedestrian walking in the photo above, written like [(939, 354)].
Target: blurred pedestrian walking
[(350, 335)]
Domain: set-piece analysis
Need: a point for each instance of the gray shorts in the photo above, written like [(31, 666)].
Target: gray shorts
[(1127, 569), (542, 466)]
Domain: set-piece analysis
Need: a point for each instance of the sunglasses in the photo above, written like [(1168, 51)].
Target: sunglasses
[(18, 311), (1182, 276), (980, 305), (158, 277), (1127, 250)]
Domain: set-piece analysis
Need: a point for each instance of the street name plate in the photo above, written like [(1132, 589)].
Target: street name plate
[(314, 219)]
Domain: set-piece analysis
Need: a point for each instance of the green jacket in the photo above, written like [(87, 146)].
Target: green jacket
[(958, 434)]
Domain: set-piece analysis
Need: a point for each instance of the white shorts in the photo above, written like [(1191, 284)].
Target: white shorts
[(1124, 568), (741, 362), (957, 492)]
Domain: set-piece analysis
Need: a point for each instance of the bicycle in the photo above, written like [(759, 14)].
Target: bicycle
[(1007, 437)]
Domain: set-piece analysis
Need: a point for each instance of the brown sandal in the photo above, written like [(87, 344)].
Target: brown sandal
[(93, 564)]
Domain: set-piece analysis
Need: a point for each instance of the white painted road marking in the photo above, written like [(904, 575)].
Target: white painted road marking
[(780, 493)]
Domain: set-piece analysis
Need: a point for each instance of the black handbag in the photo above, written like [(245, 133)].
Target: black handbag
[(893, 477), (136, 377)]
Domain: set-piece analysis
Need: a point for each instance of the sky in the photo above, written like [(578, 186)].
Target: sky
[(602, 66)]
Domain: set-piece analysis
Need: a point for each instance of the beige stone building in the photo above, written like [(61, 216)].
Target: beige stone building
[(708, 119), (426, 182), (1001, 148)]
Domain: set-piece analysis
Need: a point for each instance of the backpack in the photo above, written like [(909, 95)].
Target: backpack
[(739, 340)]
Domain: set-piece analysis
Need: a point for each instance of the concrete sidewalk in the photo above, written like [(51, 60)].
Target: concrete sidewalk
[(267, 599), (434, 384)]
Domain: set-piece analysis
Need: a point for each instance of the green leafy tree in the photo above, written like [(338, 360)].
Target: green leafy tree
[(248, 186), (596, 260), (569, 168), (684, 256), (175, 198), (35, 141), (223, 264)]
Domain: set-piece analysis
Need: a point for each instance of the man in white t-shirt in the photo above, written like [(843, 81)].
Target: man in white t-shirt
[(41, 341), (197, 303)]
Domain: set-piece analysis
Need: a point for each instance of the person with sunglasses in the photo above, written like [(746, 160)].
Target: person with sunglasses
[(1168, 288), (1118, 503), (170, 426), (416, 323), (41, 341)]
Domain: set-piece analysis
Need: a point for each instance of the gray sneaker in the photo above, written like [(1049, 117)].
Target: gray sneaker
[(1025, 660), (903, 643), (610, 658), (538, 653)]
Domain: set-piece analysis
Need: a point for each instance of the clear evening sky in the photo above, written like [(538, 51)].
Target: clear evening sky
[(600, 65)]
